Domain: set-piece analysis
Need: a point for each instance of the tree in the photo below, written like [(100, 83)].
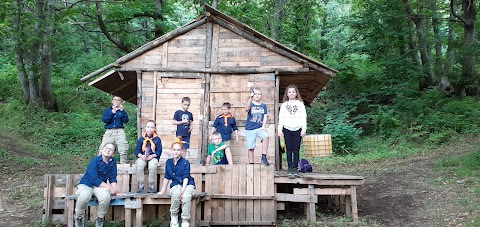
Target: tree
[(33, 32)]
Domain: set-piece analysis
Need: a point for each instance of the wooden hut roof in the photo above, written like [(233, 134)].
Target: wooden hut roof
[(310, 80)]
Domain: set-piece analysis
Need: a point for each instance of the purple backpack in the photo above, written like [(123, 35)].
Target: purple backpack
[(305, 166)]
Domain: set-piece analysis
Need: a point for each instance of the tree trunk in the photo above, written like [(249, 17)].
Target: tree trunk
[(412, 44), (421, 30), (438, 42), (158, 18), (19, 51), (469, 76), (46, 93)]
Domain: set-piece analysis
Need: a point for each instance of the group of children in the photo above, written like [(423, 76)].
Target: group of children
[(100, 177)]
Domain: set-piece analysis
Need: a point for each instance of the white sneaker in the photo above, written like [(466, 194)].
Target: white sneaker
[(185, 224), (173, 221)]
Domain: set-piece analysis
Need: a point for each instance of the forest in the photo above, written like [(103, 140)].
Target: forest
[(408, 70)]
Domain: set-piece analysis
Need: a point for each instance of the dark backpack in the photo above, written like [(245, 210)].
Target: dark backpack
[(305, 166)]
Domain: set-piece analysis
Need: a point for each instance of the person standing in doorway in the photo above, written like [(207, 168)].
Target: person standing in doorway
[(292, 125)]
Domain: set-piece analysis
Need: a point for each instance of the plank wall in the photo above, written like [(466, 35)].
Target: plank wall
[(161, 103), (235, 90)]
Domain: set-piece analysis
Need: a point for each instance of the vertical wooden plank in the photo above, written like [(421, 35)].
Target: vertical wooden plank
[(242, 190), (221, 190), (354, 204), (208, 44), (257, 186), (249, 187), (69, 203), (165, 55), (348, 204), (310, 207), (154, 104), (206, 118), (215, 36), (270, 182), (230, 183), (208, 189), (276, 111), (264, 191), (214, 202), (50, 180), (139, 103), (139, 214)]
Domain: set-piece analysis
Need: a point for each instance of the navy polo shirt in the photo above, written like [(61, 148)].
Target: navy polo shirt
[(178, 172), (114, 120), (225, 131), (156, 141), (98, 171)]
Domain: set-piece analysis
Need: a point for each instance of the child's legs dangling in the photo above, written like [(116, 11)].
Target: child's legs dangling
[(187, 201)]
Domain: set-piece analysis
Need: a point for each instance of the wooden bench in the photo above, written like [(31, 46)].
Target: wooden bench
[(59, 198)]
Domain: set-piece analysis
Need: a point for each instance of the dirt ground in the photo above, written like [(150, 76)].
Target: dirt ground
[(399, 192)]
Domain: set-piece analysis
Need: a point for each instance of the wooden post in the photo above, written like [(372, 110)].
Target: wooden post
[(69, 204), (310, 206), (206, 118), (276, 112), (49, 197), (154, 111), (354, 204), (139, 103)]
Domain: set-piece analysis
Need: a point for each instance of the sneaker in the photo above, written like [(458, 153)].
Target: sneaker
[(265, 161), (151, 188), (99, 222), (185, 223), (79, 222), (290, 173), (141, 187), (296, 173)]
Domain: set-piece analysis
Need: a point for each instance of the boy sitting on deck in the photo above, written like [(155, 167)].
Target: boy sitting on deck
[(218, 152), (148, 151), (102, 169), (182, 188)]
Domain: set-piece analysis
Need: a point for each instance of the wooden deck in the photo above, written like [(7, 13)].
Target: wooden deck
[(241, 194)]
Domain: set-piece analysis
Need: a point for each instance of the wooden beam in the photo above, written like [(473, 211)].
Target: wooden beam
[(285, 197), (206, 117), (96, 72), (286, 180), (208, 44), (139, 103), (160, 40), (241, 197), (238, 223), (278, 155), (310, 207), (323, 191), (232, 70), (154, 104)]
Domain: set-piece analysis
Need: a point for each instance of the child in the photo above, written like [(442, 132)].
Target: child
[(218, 152), (292, 125), (182, 188), (225, 124), (102, 169), (183, 120), (255, 125), (148, 150), (114, 117)]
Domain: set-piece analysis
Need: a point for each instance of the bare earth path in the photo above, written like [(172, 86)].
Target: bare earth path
[(399, 192)]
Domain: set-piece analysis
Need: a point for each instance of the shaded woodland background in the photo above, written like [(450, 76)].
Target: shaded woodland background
[(408, 69)]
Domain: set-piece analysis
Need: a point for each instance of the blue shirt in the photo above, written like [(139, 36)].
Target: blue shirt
[(114, 120), (178, 172), (225, 131), (180, 115), (158, 147), (98, 171), (255, 116)]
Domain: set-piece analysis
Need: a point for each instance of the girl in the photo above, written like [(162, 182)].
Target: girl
[(292, 125)]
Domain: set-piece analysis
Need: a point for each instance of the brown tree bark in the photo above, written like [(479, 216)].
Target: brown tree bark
[(19, 51), (421, 29), (438, 42)]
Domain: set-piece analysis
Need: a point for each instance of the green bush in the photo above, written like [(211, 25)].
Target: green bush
[(344, 134)]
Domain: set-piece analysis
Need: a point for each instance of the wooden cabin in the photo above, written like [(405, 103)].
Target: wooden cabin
[(212, 60)]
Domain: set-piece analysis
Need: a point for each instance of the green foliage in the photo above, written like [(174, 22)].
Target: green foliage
[(344, 134), (463, 166)]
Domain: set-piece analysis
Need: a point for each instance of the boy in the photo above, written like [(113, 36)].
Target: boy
[(182, 188), (102, 169), (114, 117), (148, 151), (225, 124), (256, 125), (183, 120), (218, 152)]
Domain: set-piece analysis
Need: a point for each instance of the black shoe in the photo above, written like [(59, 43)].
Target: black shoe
[(265, 161)]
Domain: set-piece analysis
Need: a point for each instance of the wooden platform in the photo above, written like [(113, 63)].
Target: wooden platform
[(241, 194)]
